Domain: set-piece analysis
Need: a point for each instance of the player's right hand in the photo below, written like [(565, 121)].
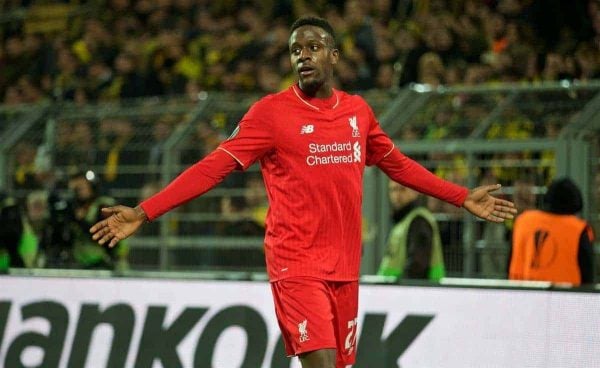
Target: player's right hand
[(483, 205), (121, 222)]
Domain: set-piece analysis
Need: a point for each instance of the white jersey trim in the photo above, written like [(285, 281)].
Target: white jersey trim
[(337, 99), (233, 156), (389, 152)]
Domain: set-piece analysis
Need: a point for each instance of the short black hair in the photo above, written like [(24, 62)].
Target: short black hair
[(314, 21), (563, 197)]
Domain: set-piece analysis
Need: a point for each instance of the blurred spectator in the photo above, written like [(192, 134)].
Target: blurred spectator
[(268, 80), (408, 53), (116, 151), (452, 168), (386, 78), (554, 68), (99, 78), (414, 249), (524, 194), (193, 91), (87, 203), (68, 76), (30, 91), (431, 69), (255, 197), (96, 43), (36, 212), (26, 175), (546, 170), (553, 244), (587, 60), (75, 145), (12, 60), (205, 139), (12, 96), (161, 131), (496, 238), (128, 81), (443, 125), (238, 218)]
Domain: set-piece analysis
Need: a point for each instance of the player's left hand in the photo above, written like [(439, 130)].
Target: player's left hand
[(483, 205)]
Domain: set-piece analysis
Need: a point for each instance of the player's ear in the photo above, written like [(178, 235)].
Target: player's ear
[(334, 56)]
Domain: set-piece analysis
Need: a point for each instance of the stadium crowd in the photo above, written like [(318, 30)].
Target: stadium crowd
[(130, 48)]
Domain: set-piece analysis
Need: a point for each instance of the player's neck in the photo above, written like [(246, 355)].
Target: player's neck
[(315, 102), (324, 90)]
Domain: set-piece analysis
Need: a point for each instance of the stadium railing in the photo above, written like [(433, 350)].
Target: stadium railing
[(470, 135), (519, 135)]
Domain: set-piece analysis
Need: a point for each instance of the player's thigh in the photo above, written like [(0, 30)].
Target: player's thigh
[(346, 320), (324, 358), (304, 312)]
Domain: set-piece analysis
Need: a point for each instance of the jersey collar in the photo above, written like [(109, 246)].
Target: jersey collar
[(316, 103)]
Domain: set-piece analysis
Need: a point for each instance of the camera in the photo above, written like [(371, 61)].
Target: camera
[(59, 236)]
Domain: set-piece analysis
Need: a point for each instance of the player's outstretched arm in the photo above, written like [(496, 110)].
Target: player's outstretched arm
[(122, 221), (481, 204), (478, 201)]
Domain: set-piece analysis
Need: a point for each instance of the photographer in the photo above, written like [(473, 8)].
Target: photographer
[(83, 211), (18, 243), (57, 240)]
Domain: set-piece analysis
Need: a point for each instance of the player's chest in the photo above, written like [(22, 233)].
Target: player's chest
[(312, 131)]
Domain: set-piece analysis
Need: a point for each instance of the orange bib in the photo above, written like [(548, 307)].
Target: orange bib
[(545, 247)]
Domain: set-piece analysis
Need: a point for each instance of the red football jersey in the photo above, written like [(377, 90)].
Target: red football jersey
[(312, 154)]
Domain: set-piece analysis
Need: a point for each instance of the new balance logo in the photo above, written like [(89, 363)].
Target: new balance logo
[(307, 129)]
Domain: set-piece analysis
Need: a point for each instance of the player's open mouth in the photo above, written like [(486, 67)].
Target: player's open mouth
[(306, 71)]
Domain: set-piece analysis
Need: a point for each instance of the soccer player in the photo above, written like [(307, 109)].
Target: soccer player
[(313, 142)]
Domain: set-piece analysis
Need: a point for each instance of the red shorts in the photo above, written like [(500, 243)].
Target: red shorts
[(316, 314)]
